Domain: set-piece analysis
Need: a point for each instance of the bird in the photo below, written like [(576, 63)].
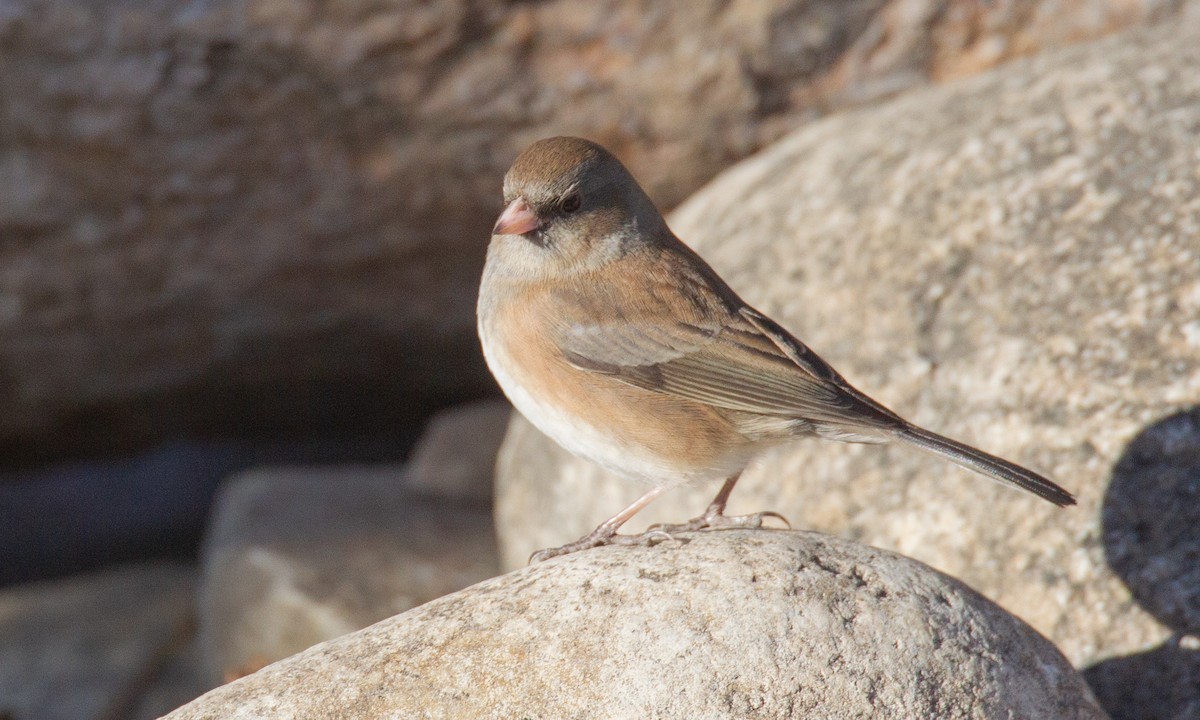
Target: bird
[(619, 342)]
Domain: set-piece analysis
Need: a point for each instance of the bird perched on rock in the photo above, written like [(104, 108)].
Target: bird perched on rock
[(619, 342)]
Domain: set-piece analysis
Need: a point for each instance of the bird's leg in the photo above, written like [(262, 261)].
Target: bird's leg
[(606, 532), (714, 517)]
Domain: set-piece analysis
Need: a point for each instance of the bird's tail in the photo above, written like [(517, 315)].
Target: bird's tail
[(983, 463)]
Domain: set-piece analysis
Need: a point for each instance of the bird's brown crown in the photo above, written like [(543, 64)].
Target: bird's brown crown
[(549, 168), (551, 159)]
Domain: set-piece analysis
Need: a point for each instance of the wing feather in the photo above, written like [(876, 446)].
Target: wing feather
[(731, 358)]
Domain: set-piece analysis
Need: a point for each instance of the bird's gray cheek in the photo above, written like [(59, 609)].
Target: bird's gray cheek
[(540, 238)]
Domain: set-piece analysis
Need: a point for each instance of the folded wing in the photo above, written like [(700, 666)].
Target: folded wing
[(732, 358)]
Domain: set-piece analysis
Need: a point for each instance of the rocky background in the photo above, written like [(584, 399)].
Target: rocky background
[(239, 243)]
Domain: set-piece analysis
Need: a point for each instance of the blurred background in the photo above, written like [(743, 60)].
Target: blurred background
[(240, 242)]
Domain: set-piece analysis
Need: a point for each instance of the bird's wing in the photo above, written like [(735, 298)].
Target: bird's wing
[(704, 347)]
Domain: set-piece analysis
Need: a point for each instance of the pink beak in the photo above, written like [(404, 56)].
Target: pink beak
[(517, 219)]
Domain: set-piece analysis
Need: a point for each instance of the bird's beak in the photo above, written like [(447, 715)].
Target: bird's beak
[(517, 219)]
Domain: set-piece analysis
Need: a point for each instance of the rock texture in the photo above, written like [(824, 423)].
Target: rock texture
[(731, 624), (242, 213), (1012, 260), (296, 556), (97, 646)]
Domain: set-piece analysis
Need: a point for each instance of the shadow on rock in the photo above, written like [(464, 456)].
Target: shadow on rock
[(1151, 521)]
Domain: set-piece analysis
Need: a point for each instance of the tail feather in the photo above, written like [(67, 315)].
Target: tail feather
[(985, 464)]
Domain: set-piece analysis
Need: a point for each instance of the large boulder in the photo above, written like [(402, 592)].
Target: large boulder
[(1013, 260), (274, 212), (733, 624)]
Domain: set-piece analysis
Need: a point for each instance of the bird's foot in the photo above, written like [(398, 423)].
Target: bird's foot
[(714, 519), (600, 537)]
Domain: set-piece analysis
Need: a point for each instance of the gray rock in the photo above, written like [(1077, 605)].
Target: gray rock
[(456, 455), (732, 624), (96, 646), (1012, 260), (256, 206), (295, 556)]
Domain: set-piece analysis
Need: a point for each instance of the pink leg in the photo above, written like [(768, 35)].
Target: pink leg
[(606, 532), (714, 518)]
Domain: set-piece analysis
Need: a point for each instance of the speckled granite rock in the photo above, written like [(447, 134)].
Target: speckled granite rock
[(1013, 260), (733, 624)]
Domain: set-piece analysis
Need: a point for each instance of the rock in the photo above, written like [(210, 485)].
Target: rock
[(94, 646), (456, 455), (764, 624), (273, 213), (1011, 260), (295, 556)]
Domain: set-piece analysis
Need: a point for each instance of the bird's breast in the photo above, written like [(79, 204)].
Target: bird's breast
[(634, 432)]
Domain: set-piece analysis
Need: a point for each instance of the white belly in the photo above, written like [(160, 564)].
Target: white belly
[(578, 437)]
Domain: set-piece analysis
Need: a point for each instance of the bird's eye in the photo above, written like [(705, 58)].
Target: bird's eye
[(570, 203)]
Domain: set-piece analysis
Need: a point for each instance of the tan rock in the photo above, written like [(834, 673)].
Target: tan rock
[(244, 212), (296, 556), (730, 624), (1011, 260), (456, 454)]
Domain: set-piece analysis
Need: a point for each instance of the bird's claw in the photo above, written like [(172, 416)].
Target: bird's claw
[(719, 521), (651, 537)]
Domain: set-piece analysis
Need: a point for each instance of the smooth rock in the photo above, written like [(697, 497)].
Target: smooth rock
[(272, 213), (1013, 260), (95, 646), (295, 556), (732, 624), (455, 456)]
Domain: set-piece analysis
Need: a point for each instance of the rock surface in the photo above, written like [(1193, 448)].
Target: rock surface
[(295, 556), (456, 455), (736, 624), (1011, 260), (96, 646), (244, 212)]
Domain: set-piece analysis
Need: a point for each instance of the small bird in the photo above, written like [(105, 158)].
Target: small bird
[(619, 342)]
